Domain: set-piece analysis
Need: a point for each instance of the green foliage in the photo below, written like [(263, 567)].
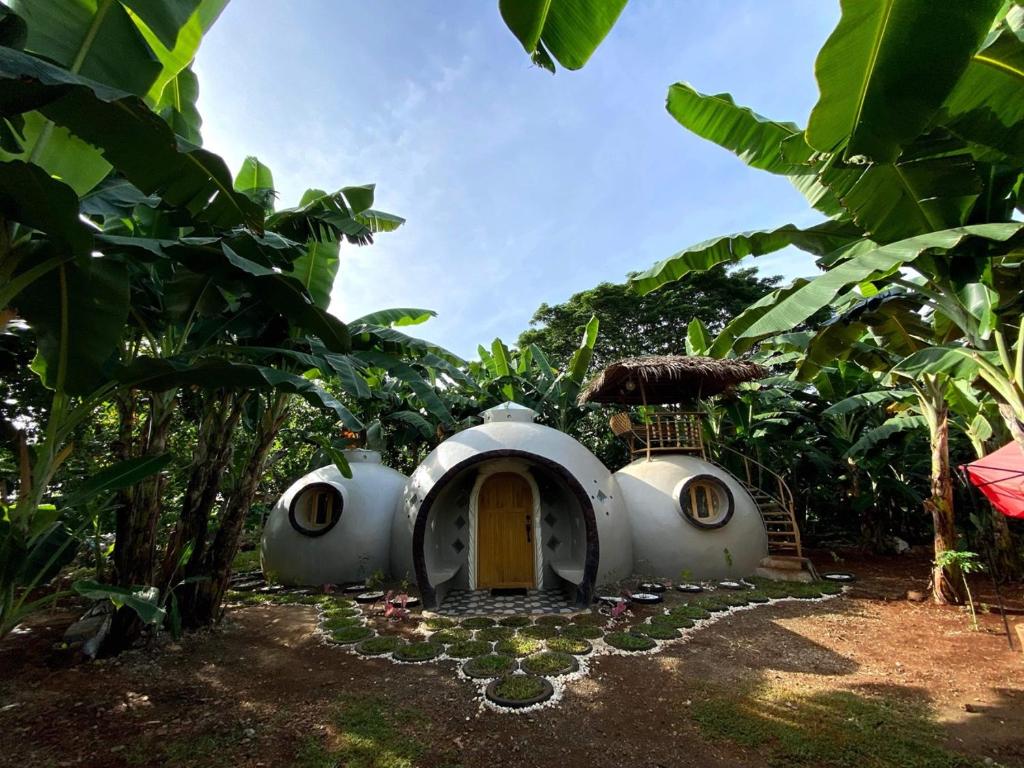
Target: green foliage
[(419, 651), (519, 687), (463, 649), (489, 665), (517, 646), (568, 30)]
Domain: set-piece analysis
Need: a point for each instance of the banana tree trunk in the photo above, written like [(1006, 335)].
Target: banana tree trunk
[(137, 517), (947, 582), (200, 602), (210, 459)]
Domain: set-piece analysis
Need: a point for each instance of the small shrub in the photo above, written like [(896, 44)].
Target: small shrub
[(517, 645), (627, 641), (439, 622), (552, 621), (572, 645), (551, 663), (377, 646), (338, 613), (539, 631), (349, 635), (582, 632), (514, 621), (418, 651), (466, 648), (520, 687), (477, 622), (491, 634), (489, 665)]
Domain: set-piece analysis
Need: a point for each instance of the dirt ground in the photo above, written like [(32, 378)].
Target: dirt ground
[(758, 687)]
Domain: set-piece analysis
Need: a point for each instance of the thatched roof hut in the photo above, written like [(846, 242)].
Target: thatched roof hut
[(661, 379)]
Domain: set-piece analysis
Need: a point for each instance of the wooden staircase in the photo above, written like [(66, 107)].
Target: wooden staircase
[(773, 498)]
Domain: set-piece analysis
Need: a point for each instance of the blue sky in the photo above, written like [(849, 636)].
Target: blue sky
[(518, 187)]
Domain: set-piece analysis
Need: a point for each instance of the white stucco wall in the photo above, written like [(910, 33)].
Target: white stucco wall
[(665, 544), (358, 545)]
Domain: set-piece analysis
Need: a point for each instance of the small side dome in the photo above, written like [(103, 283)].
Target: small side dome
[(691, 519), (329, 529), (509, 411)]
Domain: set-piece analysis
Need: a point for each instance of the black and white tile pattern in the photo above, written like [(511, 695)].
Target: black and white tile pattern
[(480, 602)]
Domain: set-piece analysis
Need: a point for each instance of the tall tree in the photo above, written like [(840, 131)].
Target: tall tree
[(645, 325)]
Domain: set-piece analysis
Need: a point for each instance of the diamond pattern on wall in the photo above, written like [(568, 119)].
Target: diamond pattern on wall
[(460, 522), (553, 542), (550, 519), (601, 496), (458, 546)]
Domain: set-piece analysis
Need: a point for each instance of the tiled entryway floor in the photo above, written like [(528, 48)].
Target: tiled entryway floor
[(467, 603)]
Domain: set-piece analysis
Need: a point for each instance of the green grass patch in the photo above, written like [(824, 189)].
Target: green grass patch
[(627, 641), (517, 645), (349, 635), (539, 631), (590, 620), (690, 611), (490, 634), (550, 663), (657, 631), (582, 632), (378, 646), (711, 604), (552, 621), (449, 636), (514, 621), (520, 687), (489, 665), (369, 732), (831, 729), (573, 645), (338, 622), (477, 622), (464, 649), (249, 560), (671, 620), (419, 651), (439, 622)]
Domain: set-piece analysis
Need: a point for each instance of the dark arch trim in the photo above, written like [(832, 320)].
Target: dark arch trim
[(585, 590)]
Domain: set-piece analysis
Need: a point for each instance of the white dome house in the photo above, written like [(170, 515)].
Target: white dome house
[(329, 529), (511, 504), (691, 518)]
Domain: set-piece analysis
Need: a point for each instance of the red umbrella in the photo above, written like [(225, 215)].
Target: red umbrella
[(1000, 476)]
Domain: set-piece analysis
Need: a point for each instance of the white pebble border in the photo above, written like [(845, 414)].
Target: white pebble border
[(558, 682)]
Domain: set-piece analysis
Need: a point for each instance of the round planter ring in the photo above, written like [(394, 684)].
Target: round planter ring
[(734, 585), (410, 602), (547, 691), (652, 586), (842, 577), (689, 588), (369, 597), (646, 598), (468, 671), (350, 588)]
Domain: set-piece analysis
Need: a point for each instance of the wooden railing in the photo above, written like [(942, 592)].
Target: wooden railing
[(772, 495), (661, 432)]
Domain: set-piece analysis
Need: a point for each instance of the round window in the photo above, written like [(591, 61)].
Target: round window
[(706, 502), (316, 509)]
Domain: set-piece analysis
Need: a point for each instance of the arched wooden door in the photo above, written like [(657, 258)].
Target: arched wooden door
[(504, 541)]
